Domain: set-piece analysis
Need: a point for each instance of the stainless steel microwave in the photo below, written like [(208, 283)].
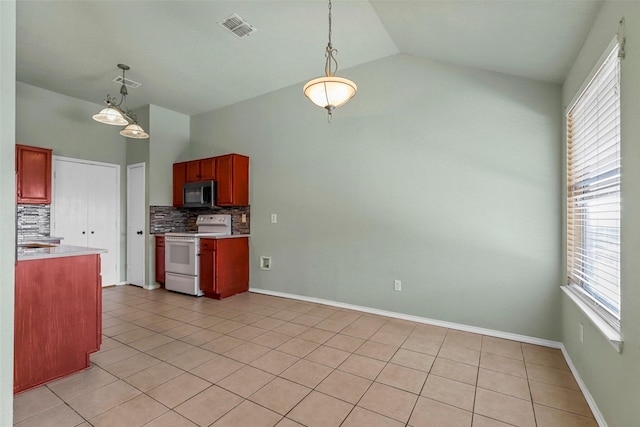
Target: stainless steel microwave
[(199, 194)]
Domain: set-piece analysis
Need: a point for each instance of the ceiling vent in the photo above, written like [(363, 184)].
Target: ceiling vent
[(237, 26), (127, 82)]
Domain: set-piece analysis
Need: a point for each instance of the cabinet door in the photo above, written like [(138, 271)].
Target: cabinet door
[(179, 178), (208, 169), (232, 267), (193, 171), (33, 165), (232, 174), (160, 259), (207, 264)]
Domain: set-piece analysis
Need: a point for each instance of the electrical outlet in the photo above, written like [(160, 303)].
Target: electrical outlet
[(397, 285), (274, 218), (265, 263), (581, 332), (244, 218)]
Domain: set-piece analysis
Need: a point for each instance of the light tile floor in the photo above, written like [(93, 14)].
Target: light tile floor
[(254, 360)]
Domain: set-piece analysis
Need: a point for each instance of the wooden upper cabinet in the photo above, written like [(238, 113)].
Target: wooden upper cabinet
[(208, 169), (33, 180), (201, 170), (193, 171), (179, 178), (232, 174)]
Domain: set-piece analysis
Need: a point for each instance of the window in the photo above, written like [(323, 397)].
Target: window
[(593, 192)]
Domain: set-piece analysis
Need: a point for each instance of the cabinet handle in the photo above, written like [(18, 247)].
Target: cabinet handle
[(84, 232), (139, 232), (92, 232)]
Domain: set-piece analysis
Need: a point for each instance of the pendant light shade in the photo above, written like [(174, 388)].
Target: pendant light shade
[(113, 114), (330, 92), (110, 116), (135, 131)]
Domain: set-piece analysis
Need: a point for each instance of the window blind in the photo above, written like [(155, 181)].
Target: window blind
[(593, 194)]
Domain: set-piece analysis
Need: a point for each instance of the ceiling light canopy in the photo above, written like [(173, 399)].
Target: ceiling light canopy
[(330, 92), (113, 114)]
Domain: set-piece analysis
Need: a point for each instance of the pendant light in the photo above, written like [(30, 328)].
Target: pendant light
[(330, 92), (113, 114)]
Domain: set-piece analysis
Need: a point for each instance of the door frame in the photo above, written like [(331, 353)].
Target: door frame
[(117, 202)]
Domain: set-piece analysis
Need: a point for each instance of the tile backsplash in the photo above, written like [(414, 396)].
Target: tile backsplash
[(164, 219), (33, 221)]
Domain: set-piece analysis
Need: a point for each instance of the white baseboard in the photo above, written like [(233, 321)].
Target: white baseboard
[(457, 326), (417, 319), (585, 391)]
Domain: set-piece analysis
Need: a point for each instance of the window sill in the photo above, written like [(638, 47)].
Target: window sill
[(613, 336)]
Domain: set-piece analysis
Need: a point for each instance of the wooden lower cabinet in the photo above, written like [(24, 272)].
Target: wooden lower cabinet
[(58, 318), (160, 259), (224, 266)]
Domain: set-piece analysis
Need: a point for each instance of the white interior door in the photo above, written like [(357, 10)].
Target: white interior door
[(136, 224), (85, 209), (69, 204), (103, 190)]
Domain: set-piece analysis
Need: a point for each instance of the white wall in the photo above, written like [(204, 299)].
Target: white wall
[(7, 204), (613, 378), (444, 177)]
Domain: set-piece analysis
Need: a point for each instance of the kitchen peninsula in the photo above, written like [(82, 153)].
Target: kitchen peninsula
[(58, 311)]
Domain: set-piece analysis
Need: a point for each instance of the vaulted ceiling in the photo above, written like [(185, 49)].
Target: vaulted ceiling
[(188, 63)]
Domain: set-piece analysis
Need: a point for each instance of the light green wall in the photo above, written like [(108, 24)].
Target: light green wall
[(612, 378), (49, 119), (62, 123), (168, 143), (444, 177), (7, 203)]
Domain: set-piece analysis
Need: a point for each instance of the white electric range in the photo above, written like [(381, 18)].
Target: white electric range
[(182, 253)]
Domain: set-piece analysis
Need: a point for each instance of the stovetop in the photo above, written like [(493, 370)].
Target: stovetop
[(195, 234), (208, 226)]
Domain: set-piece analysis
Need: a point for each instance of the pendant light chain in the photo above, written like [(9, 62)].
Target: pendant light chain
[(330, 23), (331, 60)]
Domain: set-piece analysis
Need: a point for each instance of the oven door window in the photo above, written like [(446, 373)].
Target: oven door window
[(181, 258)]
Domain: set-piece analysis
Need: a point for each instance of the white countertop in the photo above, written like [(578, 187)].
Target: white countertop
[(203, 235), (55, 251)]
